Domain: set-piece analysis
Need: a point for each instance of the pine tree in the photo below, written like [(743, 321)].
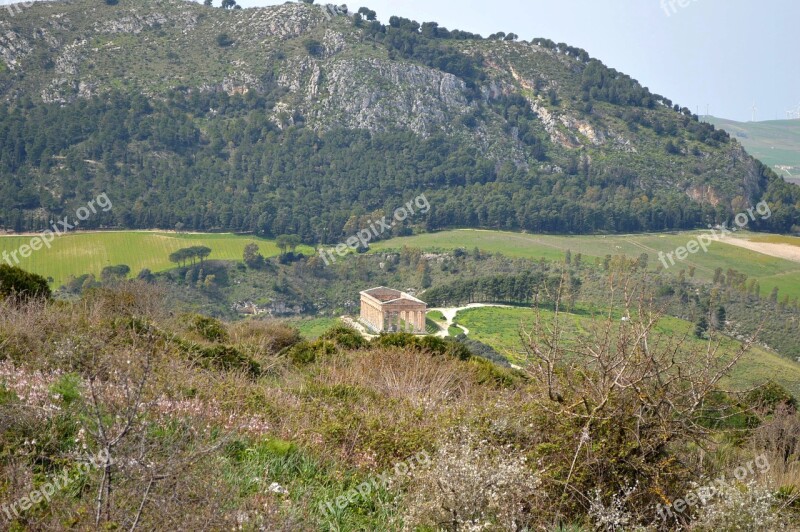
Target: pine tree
[(721, 317), (701, 327)]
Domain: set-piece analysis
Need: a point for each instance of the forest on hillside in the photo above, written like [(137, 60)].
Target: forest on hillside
[(244, 174), (208, 159)]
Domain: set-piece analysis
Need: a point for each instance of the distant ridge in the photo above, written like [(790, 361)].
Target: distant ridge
[(776, 143)]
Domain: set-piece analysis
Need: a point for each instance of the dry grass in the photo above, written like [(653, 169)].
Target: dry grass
[(411, 376)]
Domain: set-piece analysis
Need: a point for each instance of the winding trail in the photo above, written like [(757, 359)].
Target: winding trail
[(450, 313)]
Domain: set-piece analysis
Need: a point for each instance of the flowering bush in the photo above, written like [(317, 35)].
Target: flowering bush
[(612, 516), (471, 485), (739, 507)]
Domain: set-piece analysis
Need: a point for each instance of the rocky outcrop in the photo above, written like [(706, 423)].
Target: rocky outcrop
[(378, 95), (13, 47), (281, 22), (133, 23)]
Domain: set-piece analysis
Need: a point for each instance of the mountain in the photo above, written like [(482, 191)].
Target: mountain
[(774, 142), (311, 120)]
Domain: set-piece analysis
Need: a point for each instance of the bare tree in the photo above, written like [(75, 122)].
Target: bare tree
[(625, 392), (115, 405)]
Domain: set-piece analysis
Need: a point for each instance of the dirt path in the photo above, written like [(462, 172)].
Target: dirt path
[(781, 251), (449, 314)]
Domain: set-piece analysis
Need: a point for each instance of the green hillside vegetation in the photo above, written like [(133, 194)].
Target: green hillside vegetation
[(316, 124), (500, 328), (271, 431), (462, 265)]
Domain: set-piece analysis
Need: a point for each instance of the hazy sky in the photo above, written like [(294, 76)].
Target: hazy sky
[(726, 54)]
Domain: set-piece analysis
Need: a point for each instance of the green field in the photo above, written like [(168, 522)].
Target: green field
[(313, 328), (500, 327), (80, 253), (770, 271)]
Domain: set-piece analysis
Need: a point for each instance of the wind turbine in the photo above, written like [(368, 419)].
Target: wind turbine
[(755, 110)]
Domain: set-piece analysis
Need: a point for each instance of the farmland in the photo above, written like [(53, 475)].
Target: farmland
[(770, 271), (80, 253)]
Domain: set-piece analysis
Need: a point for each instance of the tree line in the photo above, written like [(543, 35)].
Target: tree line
[(531, 287), (193, 254)]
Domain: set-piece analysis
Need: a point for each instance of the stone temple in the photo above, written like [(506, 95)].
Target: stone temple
[(387, 310)]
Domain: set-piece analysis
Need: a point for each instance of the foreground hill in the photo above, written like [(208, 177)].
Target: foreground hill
[(311, 120), (128, 416), (775, 142)]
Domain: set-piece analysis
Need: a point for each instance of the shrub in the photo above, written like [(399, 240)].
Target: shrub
[(345, 337), (472, 486), (314, 47), (209, 328), (433, 344), (224, 40), (490, 373), (16, 282), (267, 337), (746, 507), (769, 396), (67, 388), (308, 352), (223, 357), (6, 396), (394, 340), (115, 273)]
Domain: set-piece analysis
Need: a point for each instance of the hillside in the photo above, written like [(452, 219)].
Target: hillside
[(129, 416), (775, 142), (298, 119)]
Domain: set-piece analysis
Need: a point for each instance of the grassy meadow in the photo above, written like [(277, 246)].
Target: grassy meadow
[(499, 327), (80, 253), (770, 271), (313, 328)]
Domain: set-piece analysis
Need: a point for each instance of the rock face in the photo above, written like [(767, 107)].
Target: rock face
[(13, 47), (377, 95)]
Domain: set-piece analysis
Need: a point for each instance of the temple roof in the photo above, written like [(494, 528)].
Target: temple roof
[(389, 295)]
